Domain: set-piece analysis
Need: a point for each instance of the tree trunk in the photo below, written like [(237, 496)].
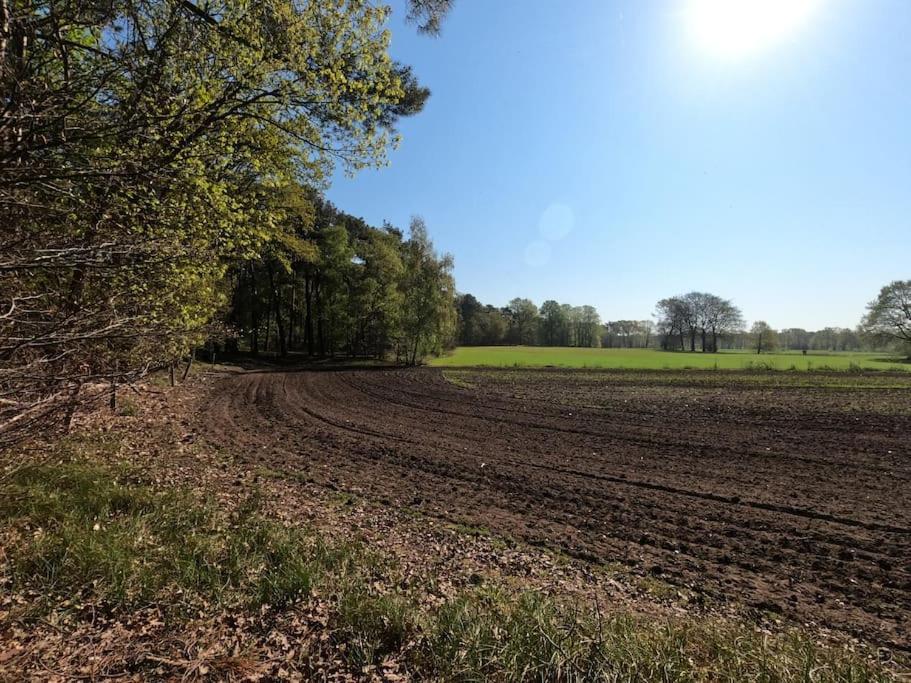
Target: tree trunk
[(254, 313), (277, 308), (308, 314), (186, 371), (291, 309)]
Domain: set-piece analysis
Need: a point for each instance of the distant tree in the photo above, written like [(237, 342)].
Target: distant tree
[(588, 322), (720, 317), (672, 320), (795, 339), (492, 326), (647, 328), (694, 312), (568, 333), (470, 312), (763, 337), (696, 315), (889, 315), (553, 322), (627, 333), (523, 316)]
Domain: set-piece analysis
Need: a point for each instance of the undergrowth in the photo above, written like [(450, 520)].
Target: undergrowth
[(105, 535)]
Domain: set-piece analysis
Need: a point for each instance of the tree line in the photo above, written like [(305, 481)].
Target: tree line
[(693, 322), (340, 286), (153, 153), (522, 322)]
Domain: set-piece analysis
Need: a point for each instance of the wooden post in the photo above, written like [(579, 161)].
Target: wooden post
[(189, 365)]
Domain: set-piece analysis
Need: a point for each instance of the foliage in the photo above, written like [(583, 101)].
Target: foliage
[(521, 322), (696, 314), (146, 145), (763, 337), (889, 315), (355, 289), (428, 290)]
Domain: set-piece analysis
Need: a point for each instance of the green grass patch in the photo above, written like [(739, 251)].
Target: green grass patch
[(100, 534), (458, 381), (649, 359), (490, 635)]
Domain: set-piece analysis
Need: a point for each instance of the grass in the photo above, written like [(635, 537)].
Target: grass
[(107, 536), (491, 635), (649, 359), (103, 535)]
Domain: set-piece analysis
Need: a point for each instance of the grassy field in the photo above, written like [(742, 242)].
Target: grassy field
[(648, 359)]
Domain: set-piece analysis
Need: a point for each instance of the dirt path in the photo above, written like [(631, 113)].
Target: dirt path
[(796, 502)]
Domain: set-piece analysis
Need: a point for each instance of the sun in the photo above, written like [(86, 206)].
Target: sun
[(737, 28)]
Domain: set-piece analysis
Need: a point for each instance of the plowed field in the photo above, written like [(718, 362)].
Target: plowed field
[(778, 494)]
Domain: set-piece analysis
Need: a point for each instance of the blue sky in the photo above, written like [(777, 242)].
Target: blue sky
[(595, 152)]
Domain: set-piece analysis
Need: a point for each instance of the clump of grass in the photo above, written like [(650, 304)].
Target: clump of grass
[(127, 408), (371, 626), (458, 381), (489, 635), (105, 534), (760, 366)]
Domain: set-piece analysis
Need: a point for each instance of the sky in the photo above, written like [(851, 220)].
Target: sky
[(615, 153)]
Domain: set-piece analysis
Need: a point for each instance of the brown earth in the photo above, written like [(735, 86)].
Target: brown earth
[(772, 494)]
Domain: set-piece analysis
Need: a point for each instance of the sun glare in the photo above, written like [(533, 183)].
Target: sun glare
[(737, 28)]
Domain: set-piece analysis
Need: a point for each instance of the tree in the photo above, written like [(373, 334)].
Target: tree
[(795, 338), (553, 323), (889, 315), (428, 294), (141, 147), (672, 317), (696, 314), (587, 324), (763, 337), (694, 310), (721, 317), (470, 312), (428, 14), (493, 326), (523, 317)]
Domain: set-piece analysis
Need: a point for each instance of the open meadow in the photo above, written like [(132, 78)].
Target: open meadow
[(650, 359)]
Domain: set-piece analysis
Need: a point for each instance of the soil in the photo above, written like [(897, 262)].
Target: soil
[(779, 497)]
